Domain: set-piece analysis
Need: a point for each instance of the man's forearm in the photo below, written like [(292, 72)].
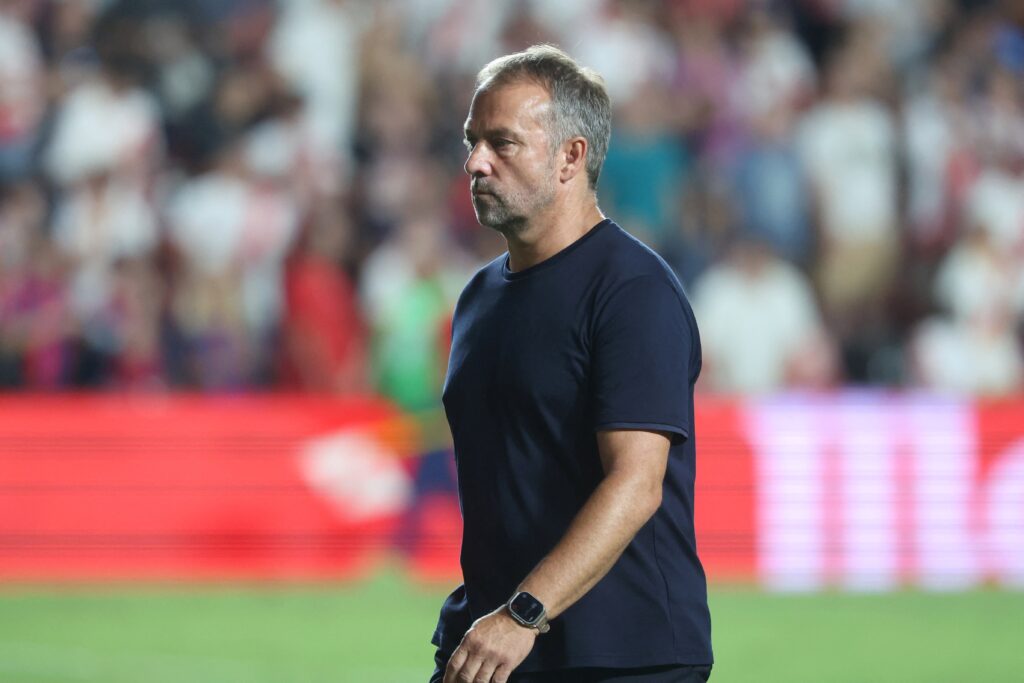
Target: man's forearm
[(602, 529)]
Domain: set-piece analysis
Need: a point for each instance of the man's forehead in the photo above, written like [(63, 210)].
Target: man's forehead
[(513, 103)]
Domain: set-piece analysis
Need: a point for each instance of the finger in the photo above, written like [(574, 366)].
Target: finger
[(501, 674), (455, 663), (484, 673), (469, 670)]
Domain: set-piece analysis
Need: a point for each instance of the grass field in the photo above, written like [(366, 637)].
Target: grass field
[(377, 632)]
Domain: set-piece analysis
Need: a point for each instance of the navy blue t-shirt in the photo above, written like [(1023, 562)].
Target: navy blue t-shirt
[(599, 336)]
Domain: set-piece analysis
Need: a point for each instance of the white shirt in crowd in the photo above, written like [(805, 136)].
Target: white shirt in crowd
[(96, 224), (995, 204), (979, 278), (315, 46), (224, 225), (848, 149), (973, 359), (101, 128), (929, 140), (21, 89), (754, 324)]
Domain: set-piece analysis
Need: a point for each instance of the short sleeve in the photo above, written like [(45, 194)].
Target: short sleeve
[(641, 359)]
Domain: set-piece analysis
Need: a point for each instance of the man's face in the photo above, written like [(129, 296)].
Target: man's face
[(511, 161)]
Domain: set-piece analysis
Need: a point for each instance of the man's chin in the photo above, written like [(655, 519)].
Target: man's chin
[(488, 218), (505, 227), (489, 223), (495, 217)]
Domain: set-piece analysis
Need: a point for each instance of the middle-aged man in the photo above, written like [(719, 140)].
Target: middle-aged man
[(570, 399)]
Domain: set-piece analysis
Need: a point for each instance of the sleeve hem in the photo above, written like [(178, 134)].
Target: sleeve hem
[(681, 434)]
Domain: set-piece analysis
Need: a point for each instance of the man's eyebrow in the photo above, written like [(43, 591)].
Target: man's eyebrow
[(500, 132)]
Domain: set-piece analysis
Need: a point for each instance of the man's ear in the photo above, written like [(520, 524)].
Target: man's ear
[(574, 158)]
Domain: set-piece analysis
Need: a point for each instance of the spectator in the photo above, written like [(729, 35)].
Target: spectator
[(101, 221), (646, 169), (21, 94), (410, 284), (934, 132), (977, 358), (324, 335), (33, 305), (760, 327), (624, 45), (233, 230), (846, 143), (772, 188), (315, 46), (134, 321), (706, 227), (775, 70), (106, 124), (974, 349), (703, 73), (994, 201), (979, 278)]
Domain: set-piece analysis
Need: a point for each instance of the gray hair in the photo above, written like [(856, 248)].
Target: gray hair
[(580, 104)]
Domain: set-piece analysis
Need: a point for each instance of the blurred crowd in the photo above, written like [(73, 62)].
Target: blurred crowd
[(242, 194)]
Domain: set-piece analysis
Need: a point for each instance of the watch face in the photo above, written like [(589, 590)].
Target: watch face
[(526, 607)]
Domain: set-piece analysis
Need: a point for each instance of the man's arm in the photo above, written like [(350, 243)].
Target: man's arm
[(634, 464)]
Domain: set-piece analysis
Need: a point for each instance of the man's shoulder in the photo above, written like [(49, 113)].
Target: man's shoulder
[(635, 276), (486, 276), (627, 258), (488, 272)]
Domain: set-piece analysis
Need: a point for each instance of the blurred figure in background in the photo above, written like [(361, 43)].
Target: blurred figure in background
[(647, 167), (34, 308), (314, 45), (232, 228), (974, 349), (703, 73), (994, 199), (22, 91), (105, 148), (410, 285), (760, 327), (846, 142), (706, 226), (935, 134), (101, 223), (324, 337), (769, 181)]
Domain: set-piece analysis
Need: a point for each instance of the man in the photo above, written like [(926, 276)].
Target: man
[(569, 396)]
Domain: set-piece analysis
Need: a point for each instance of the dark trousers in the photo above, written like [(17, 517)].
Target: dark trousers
[(654, 674)]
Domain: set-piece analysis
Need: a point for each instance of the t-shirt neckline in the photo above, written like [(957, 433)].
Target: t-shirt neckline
[(551, 260)]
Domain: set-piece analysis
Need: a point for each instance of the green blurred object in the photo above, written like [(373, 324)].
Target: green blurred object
[(406, 354), (379, 632)]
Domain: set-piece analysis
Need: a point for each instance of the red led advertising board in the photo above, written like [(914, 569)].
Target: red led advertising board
[(859, 491)]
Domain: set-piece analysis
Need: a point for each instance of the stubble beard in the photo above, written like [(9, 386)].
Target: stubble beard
[(511, 215)]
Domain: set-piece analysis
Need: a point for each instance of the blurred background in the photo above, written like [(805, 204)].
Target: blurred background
[(232, 233)]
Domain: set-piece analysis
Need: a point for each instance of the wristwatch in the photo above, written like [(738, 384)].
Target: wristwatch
[(528, 611)]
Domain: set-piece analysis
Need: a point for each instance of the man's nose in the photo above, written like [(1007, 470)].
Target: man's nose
[(478, 163)]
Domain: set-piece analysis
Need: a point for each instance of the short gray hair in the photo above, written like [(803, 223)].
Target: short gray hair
[(580, 104)]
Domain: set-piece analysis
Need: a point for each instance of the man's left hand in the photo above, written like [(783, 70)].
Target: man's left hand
[(492, 648)]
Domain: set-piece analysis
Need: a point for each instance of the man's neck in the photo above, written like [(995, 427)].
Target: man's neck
[(549, 234)]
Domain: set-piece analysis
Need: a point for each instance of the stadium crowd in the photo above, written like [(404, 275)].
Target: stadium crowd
[(242, 194)]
